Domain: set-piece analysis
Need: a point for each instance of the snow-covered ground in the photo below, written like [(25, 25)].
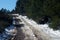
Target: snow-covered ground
[(38, 31), (9, 33), (30, 31)]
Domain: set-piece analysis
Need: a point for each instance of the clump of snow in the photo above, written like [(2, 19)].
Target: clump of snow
[(8, 33)]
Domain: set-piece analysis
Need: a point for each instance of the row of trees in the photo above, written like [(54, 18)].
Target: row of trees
[(5, 19), (36, 9)]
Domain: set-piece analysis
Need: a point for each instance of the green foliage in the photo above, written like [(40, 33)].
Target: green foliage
[(35, 9), (55, 22)]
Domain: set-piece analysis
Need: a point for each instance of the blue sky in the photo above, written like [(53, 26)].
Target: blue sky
[(8, 4)]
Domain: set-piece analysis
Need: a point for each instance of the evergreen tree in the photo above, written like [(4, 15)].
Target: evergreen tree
[(36, 9), (5, 19), (20, 6)]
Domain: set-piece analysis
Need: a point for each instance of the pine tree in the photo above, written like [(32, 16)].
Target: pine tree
[(5, 19), (36, 9)]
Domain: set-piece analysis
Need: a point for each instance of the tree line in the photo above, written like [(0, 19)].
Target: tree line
[(36, 9), (5, 19)]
